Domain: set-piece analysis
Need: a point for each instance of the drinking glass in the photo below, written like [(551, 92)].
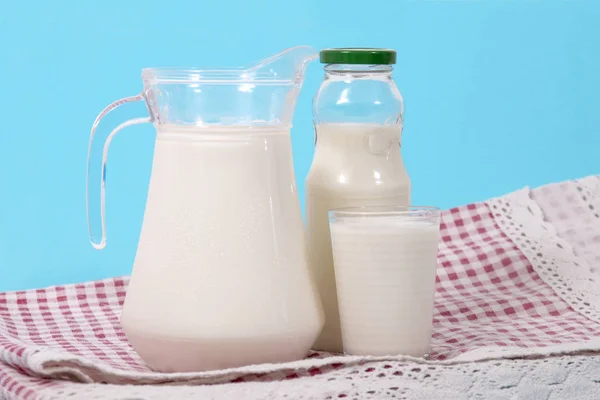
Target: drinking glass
[(385, 264)]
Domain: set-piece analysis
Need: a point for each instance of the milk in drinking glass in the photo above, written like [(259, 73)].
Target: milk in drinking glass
[(385, 262)]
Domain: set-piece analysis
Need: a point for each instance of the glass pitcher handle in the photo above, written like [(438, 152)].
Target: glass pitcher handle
[(96, 171)]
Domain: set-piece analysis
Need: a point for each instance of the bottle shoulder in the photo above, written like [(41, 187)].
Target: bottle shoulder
[(358, 177), (360, 100)]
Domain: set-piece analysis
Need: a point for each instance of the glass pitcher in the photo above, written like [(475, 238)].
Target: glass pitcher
[(220, 277)]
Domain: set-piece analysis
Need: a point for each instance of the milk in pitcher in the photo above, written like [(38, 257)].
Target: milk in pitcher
[(212, 249)]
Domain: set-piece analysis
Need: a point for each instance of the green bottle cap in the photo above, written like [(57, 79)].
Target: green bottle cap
[(367, 56)]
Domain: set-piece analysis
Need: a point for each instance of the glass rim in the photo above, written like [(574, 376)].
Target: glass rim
[(378, 211), (236, 75)]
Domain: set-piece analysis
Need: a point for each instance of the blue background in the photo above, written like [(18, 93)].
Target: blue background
[(499, 94)]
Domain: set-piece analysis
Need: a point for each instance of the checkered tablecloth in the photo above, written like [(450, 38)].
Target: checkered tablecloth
[(490, 302)]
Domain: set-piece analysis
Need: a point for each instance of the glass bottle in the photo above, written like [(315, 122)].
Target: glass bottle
[(358, 116)]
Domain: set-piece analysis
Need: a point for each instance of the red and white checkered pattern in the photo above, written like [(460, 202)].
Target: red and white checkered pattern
[(487, 294)]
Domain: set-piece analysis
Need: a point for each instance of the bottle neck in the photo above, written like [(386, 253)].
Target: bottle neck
[(359, 71)]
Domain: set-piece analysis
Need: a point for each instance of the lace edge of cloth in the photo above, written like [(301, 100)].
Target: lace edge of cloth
[(590, 185), (552, 257), (81, 370), (567, 377)]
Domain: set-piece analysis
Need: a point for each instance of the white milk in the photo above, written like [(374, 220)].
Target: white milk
[(385, 272), (221, 277), (354, 165)]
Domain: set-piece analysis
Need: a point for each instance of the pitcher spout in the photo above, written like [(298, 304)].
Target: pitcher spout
[(290, 64), (287, 66)]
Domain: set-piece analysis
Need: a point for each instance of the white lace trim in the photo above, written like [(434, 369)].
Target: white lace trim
[(553, 258), (589, 189), (44, 363), (575, 377)]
